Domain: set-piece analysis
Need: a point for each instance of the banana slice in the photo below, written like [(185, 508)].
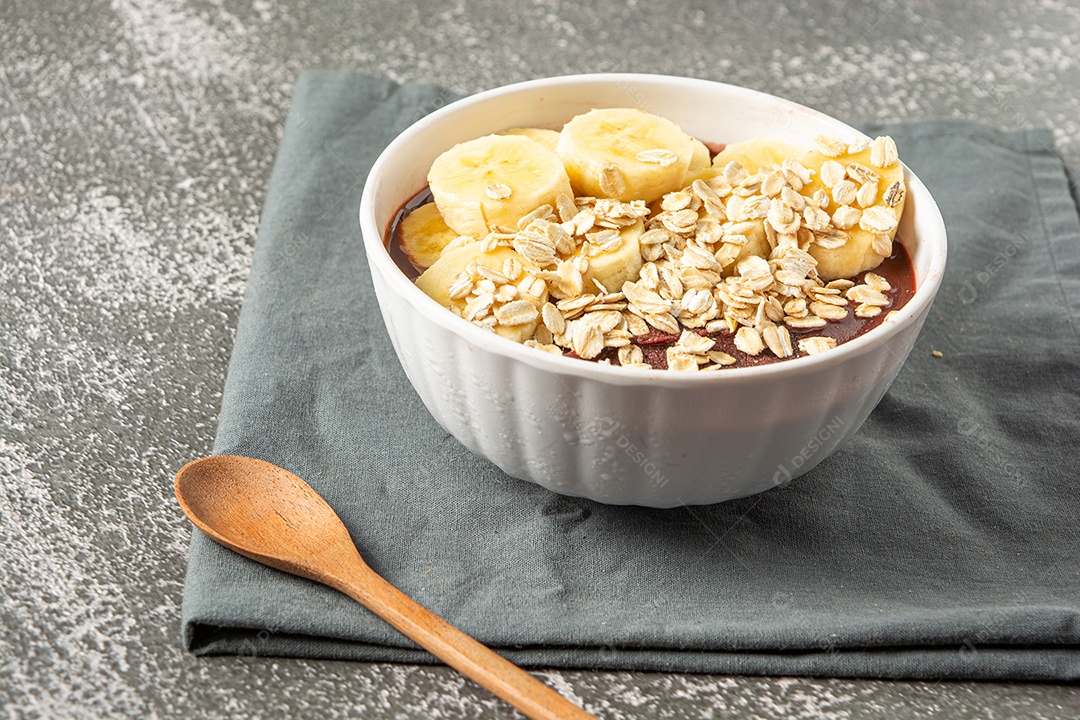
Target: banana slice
[(864, 201), (756, 154), (705, 174), (424, 234), (624, 153), (614, 267), (456, 280), (700, 160), (547, 138), (753, 155), (494, 180), (437, 280)]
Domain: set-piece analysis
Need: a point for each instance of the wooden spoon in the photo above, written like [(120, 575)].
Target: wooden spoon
[(273, 517)]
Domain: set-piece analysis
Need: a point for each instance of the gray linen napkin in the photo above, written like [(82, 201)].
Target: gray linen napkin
[(942, 542)]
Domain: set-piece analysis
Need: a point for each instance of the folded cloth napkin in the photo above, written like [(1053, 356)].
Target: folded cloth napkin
[(941, 542)]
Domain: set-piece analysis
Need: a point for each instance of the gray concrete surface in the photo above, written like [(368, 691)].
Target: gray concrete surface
[(137, 138)]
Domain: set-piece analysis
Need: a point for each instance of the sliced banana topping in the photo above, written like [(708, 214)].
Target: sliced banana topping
[(865, 186), (494, 180), (424, 235), (612, 152), (547, 138), (620, 226)]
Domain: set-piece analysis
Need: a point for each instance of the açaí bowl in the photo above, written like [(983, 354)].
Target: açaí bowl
[(621, 435)]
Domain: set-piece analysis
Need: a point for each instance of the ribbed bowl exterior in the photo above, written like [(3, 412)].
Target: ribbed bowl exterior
[(616, 435), (642, 443)]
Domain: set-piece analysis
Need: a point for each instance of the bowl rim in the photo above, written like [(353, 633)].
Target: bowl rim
[(405, 289)]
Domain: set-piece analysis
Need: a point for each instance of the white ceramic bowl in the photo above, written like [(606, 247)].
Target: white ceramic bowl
[(621, 435)]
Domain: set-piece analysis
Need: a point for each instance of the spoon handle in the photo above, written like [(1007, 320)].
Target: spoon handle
[(469, 657)]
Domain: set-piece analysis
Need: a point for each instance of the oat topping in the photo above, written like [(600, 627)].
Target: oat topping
[(883, 152), (860, 144), (660, 156), (516, 312), (831, 173), (816, 345), (877, 219), (867, 193), (845, 217), (877, 282), (845, 192), (612, 181), (702, 269), (895, 194), (860, 173), (882, 244), (749, 341), (830, 146), (796, 174)]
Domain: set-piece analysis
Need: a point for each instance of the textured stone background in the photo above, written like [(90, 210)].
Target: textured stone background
[(137, 139)]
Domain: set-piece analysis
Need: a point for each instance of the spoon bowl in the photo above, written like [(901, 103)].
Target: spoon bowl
[(270, 515), (263, 512)]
